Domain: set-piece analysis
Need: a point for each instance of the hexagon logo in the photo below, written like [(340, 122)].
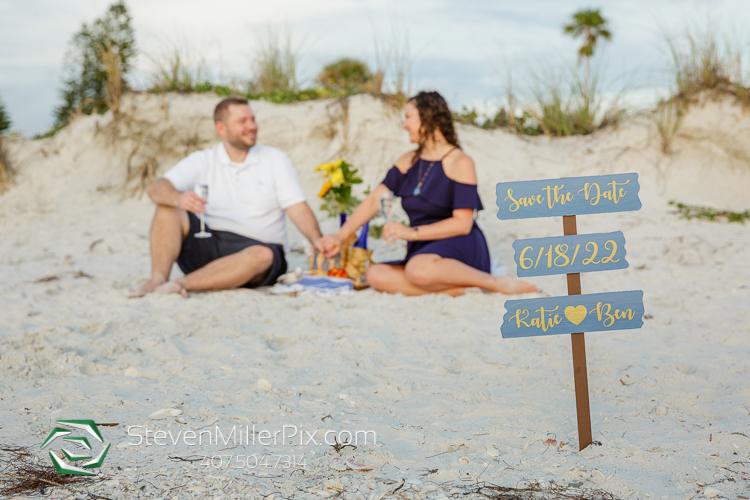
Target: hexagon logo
[(82, 447)]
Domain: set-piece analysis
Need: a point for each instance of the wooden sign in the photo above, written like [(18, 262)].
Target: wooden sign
[(570, 254), (595, 312), (569, 196)]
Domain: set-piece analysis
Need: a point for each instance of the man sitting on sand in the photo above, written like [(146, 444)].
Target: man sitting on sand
[(250, 187)]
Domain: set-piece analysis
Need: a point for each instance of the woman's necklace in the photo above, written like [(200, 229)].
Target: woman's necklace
[(418, 190)]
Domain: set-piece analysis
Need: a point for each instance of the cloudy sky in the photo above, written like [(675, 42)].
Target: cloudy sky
[(461, 48)]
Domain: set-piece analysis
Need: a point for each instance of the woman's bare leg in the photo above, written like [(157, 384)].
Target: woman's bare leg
[(434, 273), (392, 279)]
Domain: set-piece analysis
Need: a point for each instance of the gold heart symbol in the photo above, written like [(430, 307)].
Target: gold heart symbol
[(575, 314)]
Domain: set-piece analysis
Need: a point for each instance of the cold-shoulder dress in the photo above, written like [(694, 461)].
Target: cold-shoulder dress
[(437, 197)]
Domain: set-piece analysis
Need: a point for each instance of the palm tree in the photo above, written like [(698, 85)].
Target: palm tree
[(591, 24)]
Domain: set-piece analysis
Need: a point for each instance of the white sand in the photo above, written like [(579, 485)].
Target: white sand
[(431, 375)]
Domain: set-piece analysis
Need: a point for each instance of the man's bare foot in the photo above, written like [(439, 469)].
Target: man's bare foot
[(510, 286), (151, 285), (171, 287)]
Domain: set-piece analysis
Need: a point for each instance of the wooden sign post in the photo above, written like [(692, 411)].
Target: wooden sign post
[(571, 255), (578, 345)]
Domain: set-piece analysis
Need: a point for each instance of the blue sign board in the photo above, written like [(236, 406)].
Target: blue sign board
[(595, 312), (570, 254), (569, 196)]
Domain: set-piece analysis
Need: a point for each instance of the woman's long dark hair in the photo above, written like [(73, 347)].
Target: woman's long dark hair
[(434, 114)]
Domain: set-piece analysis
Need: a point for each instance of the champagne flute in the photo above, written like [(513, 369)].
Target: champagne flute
[(202, 191), (386, 206)]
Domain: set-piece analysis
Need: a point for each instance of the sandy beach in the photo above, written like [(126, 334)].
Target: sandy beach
[(431, 376)]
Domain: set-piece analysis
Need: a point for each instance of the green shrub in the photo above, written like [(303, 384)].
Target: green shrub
[(4, 118), (223, 90), (51, 132), (482, 120), (289, 96), (699, 212), (279, 97), (527, 124), (346, 73), (85, 86), (524, 124)]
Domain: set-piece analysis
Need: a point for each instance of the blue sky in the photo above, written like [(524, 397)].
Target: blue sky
[(459, 48)]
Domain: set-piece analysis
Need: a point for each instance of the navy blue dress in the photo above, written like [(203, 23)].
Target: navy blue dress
[(437, 200)]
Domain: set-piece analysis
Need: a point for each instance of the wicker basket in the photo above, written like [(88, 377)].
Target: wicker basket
[(353, 260)]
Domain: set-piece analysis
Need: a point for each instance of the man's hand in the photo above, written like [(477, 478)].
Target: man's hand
[(163, 192), (305, 221), (329, 245), (191, 202)]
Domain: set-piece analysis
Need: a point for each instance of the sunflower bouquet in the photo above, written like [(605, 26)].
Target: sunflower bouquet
[(336, 192), (337, 197)]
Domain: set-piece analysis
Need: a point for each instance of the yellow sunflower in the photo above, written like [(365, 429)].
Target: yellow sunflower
[(326, 187), (337, 177), (328, 168)]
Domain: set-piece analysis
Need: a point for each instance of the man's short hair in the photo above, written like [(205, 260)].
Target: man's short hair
[(222, 109)]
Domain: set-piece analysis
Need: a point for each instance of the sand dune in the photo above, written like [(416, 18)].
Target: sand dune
[(430, 375)]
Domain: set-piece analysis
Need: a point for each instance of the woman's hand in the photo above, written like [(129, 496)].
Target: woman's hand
[(395, 230), (330, 244)]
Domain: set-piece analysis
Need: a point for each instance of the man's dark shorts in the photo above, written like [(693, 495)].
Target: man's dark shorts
[(197, 252)]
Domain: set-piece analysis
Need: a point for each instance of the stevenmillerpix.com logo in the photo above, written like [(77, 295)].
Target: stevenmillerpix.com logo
[(81, 442)]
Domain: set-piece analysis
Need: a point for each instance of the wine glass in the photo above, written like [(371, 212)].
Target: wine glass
[(386, 206), (202, 191)]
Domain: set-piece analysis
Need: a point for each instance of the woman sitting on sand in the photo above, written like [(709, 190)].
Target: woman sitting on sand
[(446, 250)]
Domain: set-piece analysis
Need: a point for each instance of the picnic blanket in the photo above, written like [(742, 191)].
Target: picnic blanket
[(325, 286)]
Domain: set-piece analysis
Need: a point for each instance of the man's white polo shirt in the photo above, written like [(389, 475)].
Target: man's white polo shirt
[(247, 198)]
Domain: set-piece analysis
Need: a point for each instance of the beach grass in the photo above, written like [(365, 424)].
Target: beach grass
[(560, 102), (7, 173), (564, 102), (179, 67), (275, 64), (6, 169), (114, 83), (394, 61), (703, 58), (556, 102), (668, 117)]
